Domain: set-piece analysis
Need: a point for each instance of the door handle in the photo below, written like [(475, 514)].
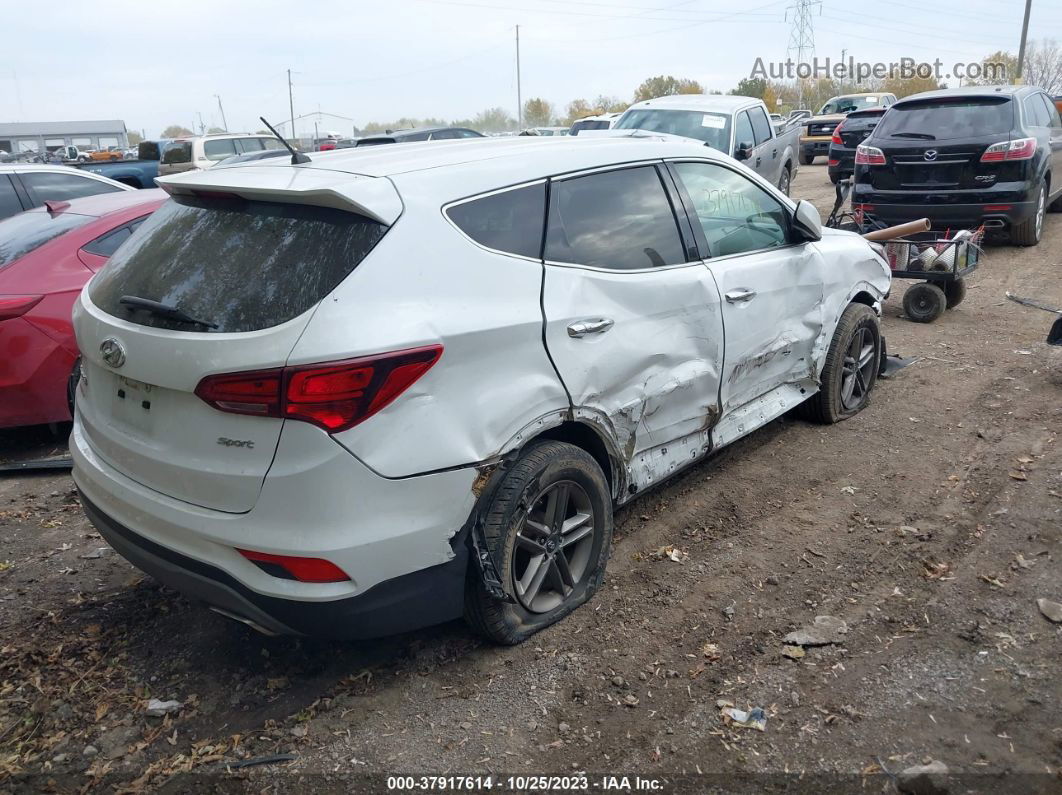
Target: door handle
[(774, 153), (758, 159), (740, 295), (598, 325)]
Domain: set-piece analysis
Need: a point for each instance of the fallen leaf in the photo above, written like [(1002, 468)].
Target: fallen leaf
[(934, 571), (993, 581), (711, 651), (793, 652), (1018, 475)]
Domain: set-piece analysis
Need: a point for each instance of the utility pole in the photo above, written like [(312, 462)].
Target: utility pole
[(1024, 36), (291, 107), (224, 124), (519, 95), (202, 127), (802, 37)]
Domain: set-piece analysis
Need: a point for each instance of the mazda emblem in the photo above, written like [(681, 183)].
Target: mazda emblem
[(930, 155), (112, 352)]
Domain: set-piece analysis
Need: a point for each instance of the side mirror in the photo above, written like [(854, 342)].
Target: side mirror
[(744, 151), (806, 221)]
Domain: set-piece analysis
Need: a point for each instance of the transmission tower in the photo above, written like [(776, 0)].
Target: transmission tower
[(801, 47)]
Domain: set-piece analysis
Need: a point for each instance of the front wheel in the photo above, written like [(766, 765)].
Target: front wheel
[(806, 159), (548, 530), (851, 369)]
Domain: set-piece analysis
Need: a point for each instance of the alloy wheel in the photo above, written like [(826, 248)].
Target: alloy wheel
[(553, 547), (857, 375)]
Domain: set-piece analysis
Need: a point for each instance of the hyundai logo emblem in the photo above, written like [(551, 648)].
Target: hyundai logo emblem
[(112, 352), (930, 155)]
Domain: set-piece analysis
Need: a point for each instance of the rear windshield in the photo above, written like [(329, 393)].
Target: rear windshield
[(848, 104), (712, 128), (588, 125), (244, 265), (943, 119), (20, 234), (177, 152)]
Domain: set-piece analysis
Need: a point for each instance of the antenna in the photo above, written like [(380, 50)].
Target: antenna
[(296, 157), (802, 37)]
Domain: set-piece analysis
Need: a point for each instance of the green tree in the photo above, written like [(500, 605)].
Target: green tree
[(176, 131), (134, 137), (215, 130), (578, 109), (664, 86), (492, 120), (538, 112), (605, 104), (992, 64), (750, 87), (915, 85)]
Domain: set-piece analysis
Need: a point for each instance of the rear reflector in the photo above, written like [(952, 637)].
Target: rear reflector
[(869, 156), (833, 162), (17, 305), (1020, 149), (996, 208), (334, 396), (316, 570)]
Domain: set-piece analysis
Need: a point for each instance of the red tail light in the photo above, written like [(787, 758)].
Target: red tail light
[(1020, 149), (289, 567), (17, 305), (334, 396), (869, 156), (836, 139)]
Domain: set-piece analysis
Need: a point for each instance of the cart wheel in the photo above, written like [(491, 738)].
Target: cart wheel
[(955, 292), (924, 302)]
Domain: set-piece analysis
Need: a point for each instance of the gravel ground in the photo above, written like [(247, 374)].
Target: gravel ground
[(930, 524)]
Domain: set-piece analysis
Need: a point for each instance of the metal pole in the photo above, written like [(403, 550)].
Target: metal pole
[(519, 95), (291, 107), (1024, 35), (224, 123)]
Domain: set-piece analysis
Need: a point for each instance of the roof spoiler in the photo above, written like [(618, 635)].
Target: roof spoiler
[(373, 197)]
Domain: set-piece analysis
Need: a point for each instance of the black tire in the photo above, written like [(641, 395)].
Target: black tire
[(829, 405), (542, 470), (785, 180), (71, 386), (835, 178), (954, 292), (806, 160), (1029, 231), (924, 302)]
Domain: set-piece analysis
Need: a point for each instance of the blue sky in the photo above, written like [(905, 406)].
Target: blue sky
[(153, 64)]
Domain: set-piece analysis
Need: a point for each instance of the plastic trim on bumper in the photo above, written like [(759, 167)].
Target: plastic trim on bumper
[(408, 602)]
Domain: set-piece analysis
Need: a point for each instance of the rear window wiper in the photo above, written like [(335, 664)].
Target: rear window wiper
[(924, 136), (163, 310)]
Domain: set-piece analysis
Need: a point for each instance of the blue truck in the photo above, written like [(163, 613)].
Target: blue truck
[(139, 173)]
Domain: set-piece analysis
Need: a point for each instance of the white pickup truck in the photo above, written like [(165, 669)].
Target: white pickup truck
[(737, 126)]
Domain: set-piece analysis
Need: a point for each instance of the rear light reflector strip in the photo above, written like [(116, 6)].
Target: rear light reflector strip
[(334, 396), (1019, 149), (289, 567)]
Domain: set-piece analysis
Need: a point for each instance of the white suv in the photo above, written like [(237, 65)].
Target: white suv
[(203, 151), (384, 388)]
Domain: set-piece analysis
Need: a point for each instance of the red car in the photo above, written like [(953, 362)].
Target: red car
[(46, 257)]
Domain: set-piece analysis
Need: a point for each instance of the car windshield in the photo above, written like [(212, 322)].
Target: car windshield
[(20, 234), (177, 152), (712, 128), (589, 124), (944, 119), (848, 104)]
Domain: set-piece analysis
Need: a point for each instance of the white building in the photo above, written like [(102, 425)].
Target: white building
[(39, 136)]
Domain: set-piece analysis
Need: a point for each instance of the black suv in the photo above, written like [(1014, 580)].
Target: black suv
[(849, 134), (964, 157)]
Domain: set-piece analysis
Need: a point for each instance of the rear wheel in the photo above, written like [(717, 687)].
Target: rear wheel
[(785, 180), (806, 159), (954, 292), (1029, 231), (548, 530), (851, 369), (924, 302)]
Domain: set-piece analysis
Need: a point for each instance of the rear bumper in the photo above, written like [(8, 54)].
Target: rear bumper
[(953, 216), (412, 601), (401, 542)]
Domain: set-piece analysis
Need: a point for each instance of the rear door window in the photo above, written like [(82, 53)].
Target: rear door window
[(45, 186), (270, 143), (246, 145), (1035, 112), (1053, 119), (944, 119), (244, 265), (510, 221), (760, 125), (25, 232), (9, 202), (621, 220), (219, 149)]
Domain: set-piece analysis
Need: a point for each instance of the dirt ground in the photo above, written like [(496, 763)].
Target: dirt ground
[(931, 524)]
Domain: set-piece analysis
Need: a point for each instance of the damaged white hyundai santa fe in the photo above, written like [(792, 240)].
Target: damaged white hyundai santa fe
[(385, 388)]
